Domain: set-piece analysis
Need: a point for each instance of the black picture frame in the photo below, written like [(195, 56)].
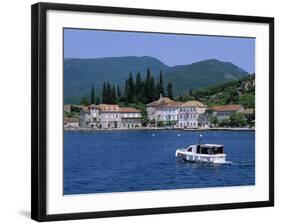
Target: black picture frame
[(39, 122)]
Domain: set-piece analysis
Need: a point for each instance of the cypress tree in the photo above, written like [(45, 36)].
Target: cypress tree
[(104, 95), (138, 86), (130, 90), (160, 85), (108, 93), (118, 92), (113, 94), (126, 91), (97, 101), (93, 97), (152, 95), (170, 90), (147, 86)]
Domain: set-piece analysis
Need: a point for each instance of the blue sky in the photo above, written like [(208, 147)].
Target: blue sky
[(171, 49)]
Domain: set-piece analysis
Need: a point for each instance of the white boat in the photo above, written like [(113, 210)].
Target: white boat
[(208, 153)]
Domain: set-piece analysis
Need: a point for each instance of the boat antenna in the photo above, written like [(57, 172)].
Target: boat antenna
[(200, 138)]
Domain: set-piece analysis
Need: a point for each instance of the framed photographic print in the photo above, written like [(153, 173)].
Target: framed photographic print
[(139, 111)]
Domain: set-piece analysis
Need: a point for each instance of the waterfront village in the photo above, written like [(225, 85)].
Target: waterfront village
[(163, 113)]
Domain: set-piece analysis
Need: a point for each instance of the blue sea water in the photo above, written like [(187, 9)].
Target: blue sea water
[(119, 161)]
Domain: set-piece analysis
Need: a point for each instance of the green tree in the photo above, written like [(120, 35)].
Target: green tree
[(93, 97), (213, 120), (146, 88), (149, 88), (129, 89), (118, 92), (237, 120), (97, 101), (160, 85), (108, 93), (113, 94), (152, 90), (247, 100), (170, 90), (225, 122), (144, 119), (104, 95), (232, 96), (139, 87), (85, 101)]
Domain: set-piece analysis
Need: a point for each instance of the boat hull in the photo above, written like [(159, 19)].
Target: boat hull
[(194, 157)]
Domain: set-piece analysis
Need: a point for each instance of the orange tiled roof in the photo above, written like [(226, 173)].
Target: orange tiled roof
[(160, 102), (173, 104), (193, 103), (109, 107), (225, 108), (129, 110)]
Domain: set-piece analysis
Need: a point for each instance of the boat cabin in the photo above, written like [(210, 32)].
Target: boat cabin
[(207, 149)]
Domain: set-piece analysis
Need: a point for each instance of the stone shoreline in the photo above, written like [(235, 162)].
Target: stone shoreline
[(156, 129)]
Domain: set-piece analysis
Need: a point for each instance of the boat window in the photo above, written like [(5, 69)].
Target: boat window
[(218, 150), (189, 149), (205, 150)]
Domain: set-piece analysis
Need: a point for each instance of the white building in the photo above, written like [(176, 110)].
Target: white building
[(89, 116), (109, 116), (164, 109), (189, 114), (223, 112), (130, 117), (184, 115)]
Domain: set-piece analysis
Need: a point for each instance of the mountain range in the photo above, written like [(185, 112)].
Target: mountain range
[(81, 74)]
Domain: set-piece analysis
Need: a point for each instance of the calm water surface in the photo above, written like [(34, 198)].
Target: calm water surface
[(117, 161)]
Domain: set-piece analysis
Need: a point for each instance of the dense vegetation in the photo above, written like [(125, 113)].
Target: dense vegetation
[(241, 92), (235, 120), (136, 92), (78, 73)]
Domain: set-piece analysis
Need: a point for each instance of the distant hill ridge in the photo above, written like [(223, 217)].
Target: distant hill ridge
[(80, 74)]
